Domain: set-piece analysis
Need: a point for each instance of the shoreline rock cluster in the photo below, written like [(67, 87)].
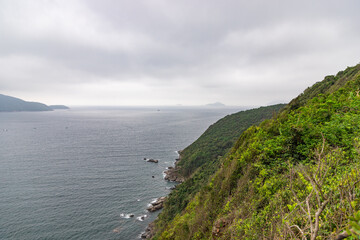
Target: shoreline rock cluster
[(172, 174), (149, 231), (157, 205)]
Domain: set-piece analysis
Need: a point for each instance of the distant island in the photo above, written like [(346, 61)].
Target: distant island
[(217, 104), (12, 104), (54, 107)]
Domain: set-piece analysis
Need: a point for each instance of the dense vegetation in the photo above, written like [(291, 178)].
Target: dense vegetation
[(295, 176), (221, 136), (201, 159)]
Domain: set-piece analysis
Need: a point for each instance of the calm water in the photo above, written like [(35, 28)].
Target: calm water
[(76, 174)]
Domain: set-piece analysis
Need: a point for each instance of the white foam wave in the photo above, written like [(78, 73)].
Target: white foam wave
[(124, 215), (141, 218)]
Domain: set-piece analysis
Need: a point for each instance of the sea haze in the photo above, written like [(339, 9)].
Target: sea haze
[(77, 174)]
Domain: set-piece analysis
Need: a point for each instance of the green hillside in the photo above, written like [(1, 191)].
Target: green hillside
[(201, 159), (296, 176), (221, 136)]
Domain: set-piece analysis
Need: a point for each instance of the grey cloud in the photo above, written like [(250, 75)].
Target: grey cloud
[(209, 49)]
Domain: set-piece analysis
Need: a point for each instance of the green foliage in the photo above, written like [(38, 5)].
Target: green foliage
[(202, 158), (355, 225), (284, 177), (221, 136)]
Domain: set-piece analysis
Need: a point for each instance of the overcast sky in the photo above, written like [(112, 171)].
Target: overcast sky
[(161, 52)]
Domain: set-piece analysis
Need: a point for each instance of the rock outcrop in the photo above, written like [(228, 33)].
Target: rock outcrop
[(149, 231), (157, 205), (151, 160), (173, 175)]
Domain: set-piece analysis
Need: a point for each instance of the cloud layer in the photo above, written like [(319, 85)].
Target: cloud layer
[(157, 52)]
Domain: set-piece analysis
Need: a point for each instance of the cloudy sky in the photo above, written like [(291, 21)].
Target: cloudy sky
[(161, 52)]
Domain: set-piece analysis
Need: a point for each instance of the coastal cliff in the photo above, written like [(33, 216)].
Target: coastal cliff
[(293, 176), (199, 161)]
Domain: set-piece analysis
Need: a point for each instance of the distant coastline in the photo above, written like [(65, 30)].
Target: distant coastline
[(13, 104), (55, 107)]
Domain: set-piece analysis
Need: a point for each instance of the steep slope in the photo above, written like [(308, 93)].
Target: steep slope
[(295, 176), (202, 158), (328, 85), (11, 104), (221, 136)]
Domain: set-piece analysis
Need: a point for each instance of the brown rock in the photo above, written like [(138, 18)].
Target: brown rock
[(173, 175), (157, 205), (149, 231), (153, 160)]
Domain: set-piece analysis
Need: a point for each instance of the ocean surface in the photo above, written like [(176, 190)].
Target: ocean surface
[(80, 173)]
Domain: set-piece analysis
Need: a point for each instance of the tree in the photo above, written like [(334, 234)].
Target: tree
[(316, 200)]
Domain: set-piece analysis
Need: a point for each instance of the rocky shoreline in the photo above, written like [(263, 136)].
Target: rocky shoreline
[(172, 174), (149, 231), (157, 205), (154, 206)]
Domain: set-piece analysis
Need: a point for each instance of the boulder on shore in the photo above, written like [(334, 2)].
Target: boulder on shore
[(157, 205)]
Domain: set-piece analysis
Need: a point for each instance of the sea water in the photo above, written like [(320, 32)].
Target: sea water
[(81, 174)]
